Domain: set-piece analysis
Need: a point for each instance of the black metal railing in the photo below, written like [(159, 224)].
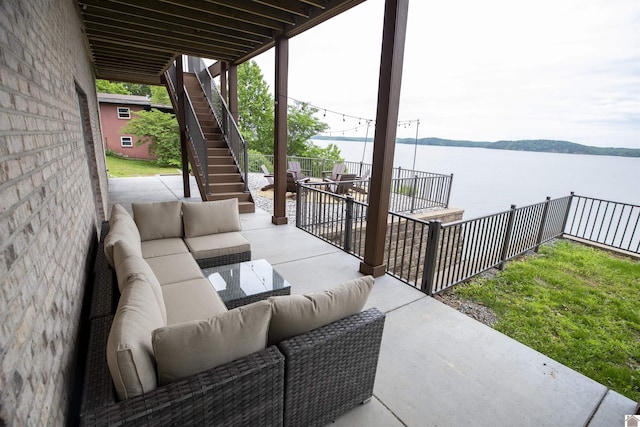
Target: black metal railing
[(433, 256), (420, 191), (195, 133), (605, 222), (227, 124)]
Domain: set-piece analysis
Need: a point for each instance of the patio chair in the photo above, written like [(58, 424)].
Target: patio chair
[(299, 173), (360, 184), (338, 169), (269, 177), (342, 185)]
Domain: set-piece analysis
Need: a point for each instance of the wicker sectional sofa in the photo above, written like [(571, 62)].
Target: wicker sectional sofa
[(163, 348)]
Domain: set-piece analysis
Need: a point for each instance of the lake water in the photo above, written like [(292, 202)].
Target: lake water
[(488, 181)]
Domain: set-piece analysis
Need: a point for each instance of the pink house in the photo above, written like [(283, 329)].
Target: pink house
[(115, 113)]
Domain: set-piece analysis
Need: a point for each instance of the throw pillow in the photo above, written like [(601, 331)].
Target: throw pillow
[(159, 220), (184, 349), (219, 216), (296, 314)]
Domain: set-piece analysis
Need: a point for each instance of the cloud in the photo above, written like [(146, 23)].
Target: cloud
[(485, 70)]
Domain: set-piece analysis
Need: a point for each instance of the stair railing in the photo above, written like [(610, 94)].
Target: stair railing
[(232, 136), (194, 130)]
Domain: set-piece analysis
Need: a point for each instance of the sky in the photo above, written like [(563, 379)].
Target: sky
[(482, 71)]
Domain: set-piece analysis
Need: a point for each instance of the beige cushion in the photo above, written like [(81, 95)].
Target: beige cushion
[(296, 314), (175, 268), (159, 220), (121, 227), (191, 300), (129, 348), (189, 348), (219, 216), (215, 245), (162, 247), (129, 263)]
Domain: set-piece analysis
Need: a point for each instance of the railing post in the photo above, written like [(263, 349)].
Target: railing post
[(566, 214), (449, 191), (413, 190), (298, 205), (543, 223), (348, 232), (507, 237), (429, 271)]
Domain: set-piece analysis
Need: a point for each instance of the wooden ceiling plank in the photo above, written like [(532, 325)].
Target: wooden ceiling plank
[(246, 7), (291, 6), (117, 21), (167, 16), (321, 4), (154, 38)]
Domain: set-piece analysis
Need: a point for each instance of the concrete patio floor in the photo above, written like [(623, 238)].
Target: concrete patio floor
[(437, 366)]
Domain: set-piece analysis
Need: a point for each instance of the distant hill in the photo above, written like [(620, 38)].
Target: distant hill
[(539, 145)]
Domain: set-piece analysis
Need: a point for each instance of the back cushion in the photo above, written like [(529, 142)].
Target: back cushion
[(188, 348), (296, 314), (160, 220), (129, 348), (127, 263), (121, 227), (219, 216)]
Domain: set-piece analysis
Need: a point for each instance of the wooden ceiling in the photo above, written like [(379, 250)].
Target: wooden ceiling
[(136, 40)]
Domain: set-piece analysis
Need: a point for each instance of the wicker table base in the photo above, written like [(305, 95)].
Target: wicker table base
[(246, 282)]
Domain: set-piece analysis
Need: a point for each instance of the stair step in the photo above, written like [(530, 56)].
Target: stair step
[(241, 196), (219, 160), (217, 151), (225, 177), (226, 187), (246, 207), (215, 169)]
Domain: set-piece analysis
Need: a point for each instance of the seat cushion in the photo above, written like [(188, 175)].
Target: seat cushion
[(191, 300), (162, 247), (215, 245), (121, 227), (161, 220), (218, 216), (129, 346), (188, 348), (296, 314), (129, 263), (175, 268)]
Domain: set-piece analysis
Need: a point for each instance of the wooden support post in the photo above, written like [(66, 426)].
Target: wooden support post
[(393, 38), (223, 82), (233, 91), (280, 132), (182, 123)]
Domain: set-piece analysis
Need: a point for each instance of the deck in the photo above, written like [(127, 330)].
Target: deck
[(436, 366)]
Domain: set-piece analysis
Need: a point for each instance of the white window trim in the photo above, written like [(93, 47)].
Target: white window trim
[(122, 115), (122, 140)]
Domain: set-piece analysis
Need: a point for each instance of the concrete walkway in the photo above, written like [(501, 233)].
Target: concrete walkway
[(437, 366)]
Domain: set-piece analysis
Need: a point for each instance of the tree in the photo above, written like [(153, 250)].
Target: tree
[(255, 108), (256, 115), (106, 86), (159, 95), (161, 131), (301, 126)]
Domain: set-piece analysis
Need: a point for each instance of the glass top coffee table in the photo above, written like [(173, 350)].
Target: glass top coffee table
[(246, 282)]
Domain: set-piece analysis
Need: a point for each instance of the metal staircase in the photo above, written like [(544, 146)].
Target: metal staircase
[(216, 151)]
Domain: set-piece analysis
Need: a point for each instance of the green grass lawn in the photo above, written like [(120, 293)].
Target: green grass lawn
[(575, 304), (121, 167)]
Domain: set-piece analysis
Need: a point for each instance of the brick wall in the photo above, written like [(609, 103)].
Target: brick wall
[(52, 197)]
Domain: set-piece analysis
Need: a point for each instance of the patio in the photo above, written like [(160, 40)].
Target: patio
[(436, 364)]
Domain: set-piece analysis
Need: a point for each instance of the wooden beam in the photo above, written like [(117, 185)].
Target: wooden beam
[(280, 133), (182, 123), (246, 6), (391, 61), (223, 82)]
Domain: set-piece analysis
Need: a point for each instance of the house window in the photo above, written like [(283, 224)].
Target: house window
[(126, 141), (124, 113)]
